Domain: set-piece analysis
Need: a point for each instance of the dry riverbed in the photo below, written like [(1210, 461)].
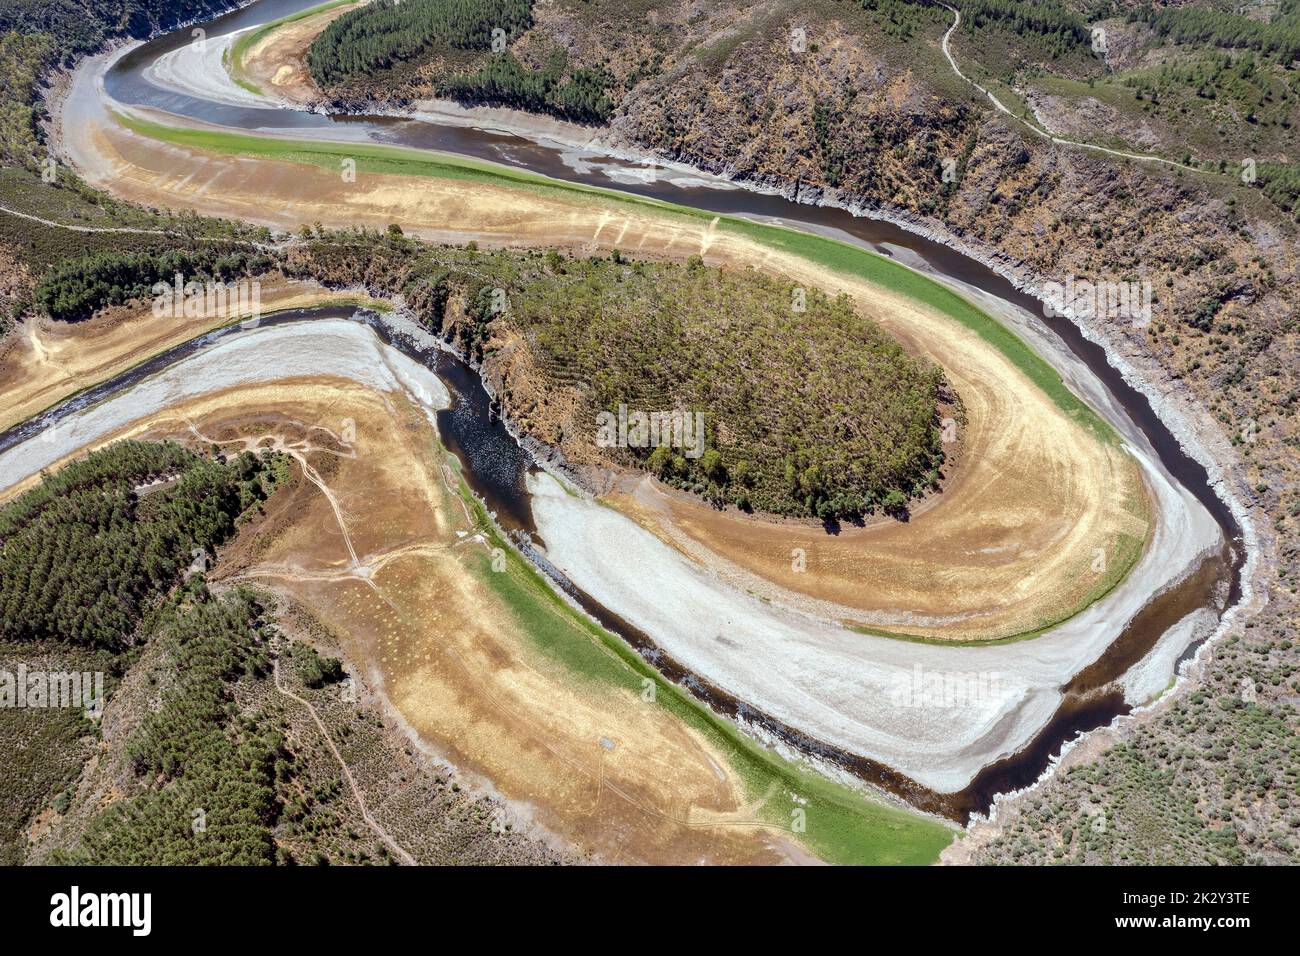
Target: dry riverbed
[(47, 361), (1038, 496)]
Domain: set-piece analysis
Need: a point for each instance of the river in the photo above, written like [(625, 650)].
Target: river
[(497, 467)]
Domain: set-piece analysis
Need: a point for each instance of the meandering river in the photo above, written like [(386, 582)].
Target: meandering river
[(1090, 697)]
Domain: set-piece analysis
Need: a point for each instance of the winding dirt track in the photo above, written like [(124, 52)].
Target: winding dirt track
[(1001, 107), (374, 825)]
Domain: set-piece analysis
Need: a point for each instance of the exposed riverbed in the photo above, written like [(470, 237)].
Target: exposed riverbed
[(1051, 688), (914, 750)]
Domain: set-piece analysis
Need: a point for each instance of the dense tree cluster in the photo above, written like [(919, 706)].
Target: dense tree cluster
[(1050, 20), (369, 41), (386, 33), (901, 19), (209, 779), (76, 289), (814, 413), (84, 554), (811, 411), (314, 670), (1278, 38), (503, 81)]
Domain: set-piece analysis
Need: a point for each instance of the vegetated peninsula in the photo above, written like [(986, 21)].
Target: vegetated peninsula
[(808, 409)]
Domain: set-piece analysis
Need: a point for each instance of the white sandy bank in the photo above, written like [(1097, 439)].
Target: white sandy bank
[(199, 70), (324, 347), (938, 714)]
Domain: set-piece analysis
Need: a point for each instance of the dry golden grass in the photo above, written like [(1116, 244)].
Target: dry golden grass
[(591, 763)]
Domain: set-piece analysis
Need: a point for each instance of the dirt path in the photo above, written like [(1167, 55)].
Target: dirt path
[(299, 451), (357, 569), (1059, 141), (366, 568), (130, 230), (392, 844)]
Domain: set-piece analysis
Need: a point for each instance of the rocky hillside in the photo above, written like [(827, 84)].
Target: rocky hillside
[(861, 108)]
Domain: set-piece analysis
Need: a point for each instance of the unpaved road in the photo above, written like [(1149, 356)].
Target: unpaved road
[(384, 835), (1059, 141)]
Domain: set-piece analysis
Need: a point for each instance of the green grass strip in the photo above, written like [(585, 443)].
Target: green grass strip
[(843, 825)]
